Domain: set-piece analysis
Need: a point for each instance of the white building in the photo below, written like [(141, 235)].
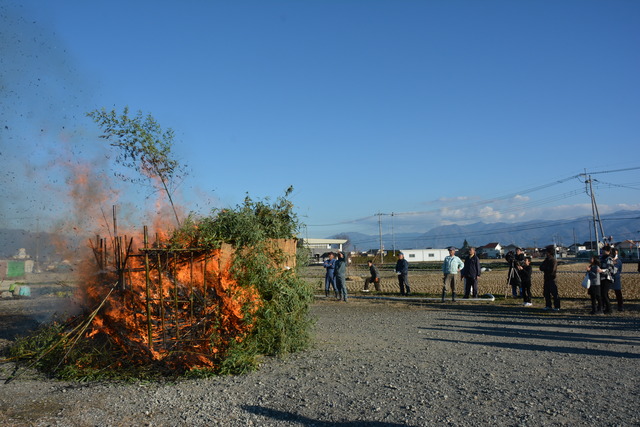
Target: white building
[(424, 255), (492, 250), (319, 247)]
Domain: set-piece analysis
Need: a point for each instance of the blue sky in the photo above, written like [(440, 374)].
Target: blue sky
[(438, 111)]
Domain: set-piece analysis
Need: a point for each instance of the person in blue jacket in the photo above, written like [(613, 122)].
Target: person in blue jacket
[(402, 270), (341, 277), (329, 277)]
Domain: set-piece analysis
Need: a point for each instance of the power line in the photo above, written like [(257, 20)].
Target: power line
[(487, 202)]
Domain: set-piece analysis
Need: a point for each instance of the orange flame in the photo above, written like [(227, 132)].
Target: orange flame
[(185, 315)]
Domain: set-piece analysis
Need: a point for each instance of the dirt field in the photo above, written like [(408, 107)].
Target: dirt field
[(375, 363)]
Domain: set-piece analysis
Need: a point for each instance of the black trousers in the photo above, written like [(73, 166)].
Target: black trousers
[(605, 285), (403, 281), (550, 289), (470, 287), (526, 292), (596, 301)]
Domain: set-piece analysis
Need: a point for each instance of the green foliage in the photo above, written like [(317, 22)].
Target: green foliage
[(49, 349), (282, 323), (142, 145), (247, 225)]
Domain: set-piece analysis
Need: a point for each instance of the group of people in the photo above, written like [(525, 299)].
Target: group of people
[(469, 270), (604, 275), (336, 276), (519, 277), (452, 267)]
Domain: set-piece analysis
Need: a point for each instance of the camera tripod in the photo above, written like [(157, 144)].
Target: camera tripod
[(513, 272)]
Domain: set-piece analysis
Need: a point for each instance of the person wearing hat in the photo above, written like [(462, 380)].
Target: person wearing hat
[(451, 268), (402, 270), (550, 289)]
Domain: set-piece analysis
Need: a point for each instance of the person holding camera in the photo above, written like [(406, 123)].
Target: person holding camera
[(451, 268), (516, 261)]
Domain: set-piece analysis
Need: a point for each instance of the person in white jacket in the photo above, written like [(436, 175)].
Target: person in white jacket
[(451, 269)]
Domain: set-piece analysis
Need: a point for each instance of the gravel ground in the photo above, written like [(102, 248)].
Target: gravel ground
[(384, 363)]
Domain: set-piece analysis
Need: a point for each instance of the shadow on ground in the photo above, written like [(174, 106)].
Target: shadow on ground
[(278, 415)]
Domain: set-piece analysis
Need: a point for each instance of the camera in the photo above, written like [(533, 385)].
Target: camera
[(514, 259)]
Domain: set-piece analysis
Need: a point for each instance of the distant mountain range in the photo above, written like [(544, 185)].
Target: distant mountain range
[(622, 225)]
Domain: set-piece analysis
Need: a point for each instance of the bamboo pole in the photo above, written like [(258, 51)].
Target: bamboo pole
[(88, 322), (191, 286), (204, 292), (162, 310), (175, 294), (64, 337), (147, 290)]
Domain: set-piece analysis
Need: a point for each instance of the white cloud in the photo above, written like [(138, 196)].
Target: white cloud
[(521, 199)]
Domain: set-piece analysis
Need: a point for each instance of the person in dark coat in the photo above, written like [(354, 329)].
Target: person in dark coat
[(375, 278), (341, 277), (525, 279), (330, 277), (550, 289), (607, 267), (470, 272), (402, 270)]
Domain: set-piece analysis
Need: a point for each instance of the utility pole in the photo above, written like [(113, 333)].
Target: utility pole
[(393, 237), (380, 231), (597, 223)]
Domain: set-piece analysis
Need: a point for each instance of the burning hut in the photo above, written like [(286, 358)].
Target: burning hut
[(210, 298)]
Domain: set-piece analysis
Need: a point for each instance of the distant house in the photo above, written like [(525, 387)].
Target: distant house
[(509, 248), (319, 247), (628, 249), (577, 247), (492, 250), (374, 253), (424, 255)]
